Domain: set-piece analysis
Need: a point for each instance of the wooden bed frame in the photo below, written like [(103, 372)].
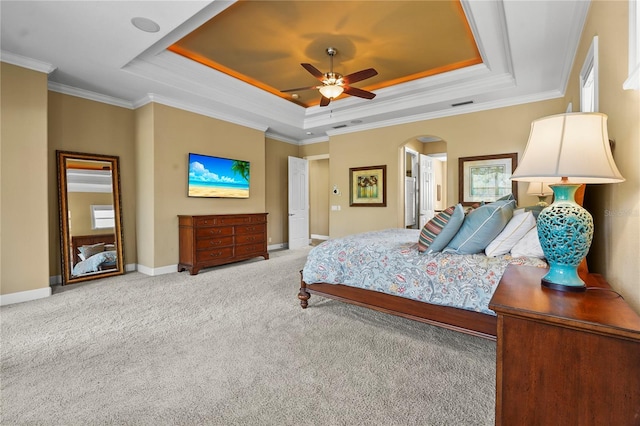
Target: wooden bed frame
[(87, 240), (469, 322)]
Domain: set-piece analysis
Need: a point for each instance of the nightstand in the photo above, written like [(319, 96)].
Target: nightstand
[(565, 358)]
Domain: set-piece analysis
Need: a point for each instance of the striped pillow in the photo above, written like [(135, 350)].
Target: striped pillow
[(437, 233)]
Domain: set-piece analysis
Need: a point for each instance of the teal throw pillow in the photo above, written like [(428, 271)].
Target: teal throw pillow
[(481, 226)]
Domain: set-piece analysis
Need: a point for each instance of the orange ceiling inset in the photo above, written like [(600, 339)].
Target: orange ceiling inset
[(264, 42)]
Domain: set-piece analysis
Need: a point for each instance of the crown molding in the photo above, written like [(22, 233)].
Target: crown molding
[(24, 62), (202, 84), (281, 138), (466, 109), (87, 94), (185, 106)]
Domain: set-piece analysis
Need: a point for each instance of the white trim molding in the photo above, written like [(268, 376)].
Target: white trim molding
[(24, 62), (25, 296), (170, 269), (278, 246), (589, 77), (633, 82)]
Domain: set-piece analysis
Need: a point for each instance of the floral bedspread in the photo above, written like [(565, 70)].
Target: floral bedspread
[(388, 261), (93, 263)]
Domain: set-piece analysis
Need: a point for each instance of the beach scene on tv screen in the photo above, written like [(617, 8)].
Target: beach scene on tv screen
[(218, 177)]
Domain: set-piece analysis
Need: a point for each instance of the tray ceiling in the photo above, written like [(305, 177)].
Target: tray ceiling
[(434, 58)]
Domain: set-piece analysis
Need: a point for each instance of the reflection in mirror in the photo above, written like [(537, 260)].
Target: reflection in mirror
[(90, 216)]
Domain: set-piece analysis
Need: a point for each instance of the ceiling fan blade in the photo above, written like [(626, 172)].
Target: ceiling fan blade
[(299, 89), (359, 76), (354, 91), (314, 71), (324, 101)]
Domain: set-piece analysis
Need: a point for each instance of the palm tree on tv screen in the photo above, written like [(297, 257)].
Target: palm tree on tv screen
[(242, 168)]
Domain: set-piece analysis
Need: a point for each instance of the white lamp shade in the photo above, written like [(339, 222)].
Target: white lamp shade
[(539, 188), (571, 145), (331, 91)]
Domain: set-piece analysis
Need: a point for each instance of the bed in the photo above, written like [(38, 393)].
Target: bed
[(383, 270), (93, 253)]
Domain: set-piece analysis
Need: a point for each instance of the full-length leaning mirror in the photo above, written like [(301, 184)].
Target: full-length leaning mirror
[(90, 216)]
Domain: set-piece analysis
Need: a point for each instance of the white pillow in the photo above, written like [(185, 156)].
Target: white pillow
[(528, 246), (516, 228)]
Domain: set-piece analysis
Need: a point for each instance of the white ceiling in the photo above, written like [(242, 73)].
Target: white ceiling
[(91, 49)]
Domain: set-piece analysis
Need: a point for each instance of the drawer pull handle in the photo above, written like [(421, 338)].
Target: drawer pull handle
[(216, 254)]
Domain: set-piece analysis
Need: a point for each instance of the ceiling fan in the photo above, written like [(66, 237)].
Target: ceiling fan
[(334, 84)]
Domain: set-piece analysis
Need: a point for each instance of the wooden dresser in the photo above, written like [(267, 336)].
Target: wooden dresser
[(565, 358), (211, 240)]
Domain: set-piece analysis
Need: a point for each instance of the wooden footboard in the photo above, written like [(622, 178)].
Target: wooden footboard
[(469, 322)]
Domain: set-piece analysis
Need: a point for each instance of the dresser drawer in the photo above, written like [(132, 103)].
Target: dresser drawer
[(251, 229), (218, 231), (216, 253), (208, 243), (259, 218), (249, 238), (222, 220), (249, 249)]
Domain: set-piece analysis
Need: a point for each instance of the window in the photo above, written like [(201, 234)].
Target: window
[(633, 82), (102, 217), (589, 79)]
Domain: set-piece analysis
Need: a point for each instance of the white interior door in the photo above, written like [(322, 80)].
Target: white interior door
[(298, 202), (427, 192)]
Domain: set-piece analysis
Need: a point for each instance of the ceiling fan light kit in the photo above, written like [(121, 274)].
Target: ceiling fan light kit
[(331, 91), (335, 84)]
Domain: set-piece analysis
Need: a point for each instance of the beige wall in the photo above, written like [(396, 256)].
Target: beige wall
[(437, 147), (24, 220), (175, 134), (465, 135), (81, 125), (320, 197), (616, 207), (310, 150), (440, 174)]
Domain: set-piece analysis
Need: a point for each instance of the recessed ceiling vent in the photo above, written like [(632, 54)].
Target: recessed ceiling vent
[(339, 126), (462, 103)]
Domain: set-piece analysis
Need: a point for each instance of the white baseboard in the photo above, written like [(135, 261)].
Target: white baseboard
[(25, 296), (131, 267), (319, 237), (157, 271), (278, 246)]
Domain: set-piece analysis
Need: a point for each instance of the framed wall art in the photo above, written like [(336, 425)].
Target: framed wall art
[(486, 178), (368, 186)]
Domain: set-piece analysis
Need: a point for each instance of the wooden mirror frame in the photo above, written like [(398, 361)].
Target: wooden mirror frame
[(68, 243)]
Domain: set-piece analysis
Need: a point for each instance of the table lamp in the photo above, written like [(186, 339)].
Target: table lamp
[(541, 190), (565, 151)]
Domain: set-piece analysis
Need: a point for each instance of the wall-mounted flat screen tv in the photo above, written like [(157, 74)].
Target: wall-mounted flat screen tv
[(218, 177)]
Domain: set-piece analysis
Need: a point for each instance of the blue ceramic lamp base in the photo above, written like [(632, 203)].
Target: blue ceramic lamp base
[(565, 230)]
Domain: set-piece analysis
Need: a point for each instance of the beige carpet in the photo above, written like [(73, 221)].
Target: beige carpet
[(231, 346)]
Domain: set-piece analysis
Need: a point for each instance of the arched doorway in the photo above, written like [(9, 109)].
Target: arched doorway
[(425, 179)]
